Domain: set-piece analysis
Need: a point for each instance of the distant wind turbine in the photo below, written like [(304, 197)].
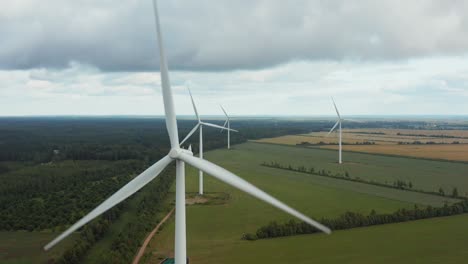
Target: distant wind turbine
[(180, 156), (228, 123), (200, 125), (339, 131)]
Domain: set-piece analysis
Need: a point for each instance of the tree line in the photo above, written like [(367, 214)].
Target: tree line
[(397, 184), (43, 140), (417, 142), (431, 136), (322, 143), (350, 220)]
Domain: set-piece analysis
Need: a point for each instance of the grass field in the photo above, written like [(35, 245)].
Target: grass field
[(439, 240), (428, 175), (26, 247), (214, 231)]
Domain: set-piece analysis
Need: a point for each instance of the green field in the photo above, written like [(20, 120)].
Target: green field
[(214, 231), (26, 247), (438, 240), (427, 175)]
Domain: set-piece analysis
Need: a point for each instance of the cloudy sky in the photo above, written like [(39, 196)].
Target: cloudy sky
[(269, 57)]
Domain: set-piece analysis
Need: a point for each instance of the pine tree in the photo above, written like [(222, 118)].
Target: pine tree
[(441, 191)]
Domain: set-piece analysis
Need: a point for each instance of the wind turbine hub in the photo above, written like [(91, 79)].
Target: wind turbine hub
[(187, 151), (175, 152)]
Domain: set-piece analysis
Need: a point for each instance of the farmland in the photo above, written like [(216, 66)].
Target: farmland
[(424, 174), (213, 236), (411, 242), (436, 152), (430, 144), (378, 135)]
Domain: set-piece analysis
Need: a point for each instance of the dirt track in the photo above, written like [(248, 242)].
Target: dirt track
[(142, 249)]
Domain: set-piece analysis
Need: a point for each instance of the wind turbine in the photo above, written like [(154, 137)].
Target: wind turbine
[(180, 156), (340, 132), (228, 122), (200, 125)]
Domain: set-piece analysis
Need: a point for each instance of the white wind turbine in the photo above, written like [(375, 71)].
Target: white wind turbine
[(180, 156), (228, 123), (339, 131), (200, 125)]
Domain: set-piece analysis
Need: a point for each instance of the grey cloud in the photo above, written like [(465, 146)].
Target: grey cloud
[(223, 35)]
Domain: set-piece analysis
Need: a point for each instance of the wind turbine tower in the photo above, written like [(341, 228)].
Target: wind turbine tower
[(180, 156), (199, 126), (338, 123), (228, 123)]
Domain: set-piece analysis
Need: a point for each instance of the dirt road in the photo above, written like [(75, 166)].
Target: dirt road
[(138, 256)]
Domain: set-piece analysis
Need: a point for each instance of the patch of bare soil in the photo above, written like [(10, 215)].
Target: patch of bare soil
[(196, 200)]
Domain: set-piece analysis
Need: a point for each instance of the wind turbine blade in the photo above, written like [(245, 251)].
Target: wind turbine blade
[(333, 128), (193, 104), (225, 122), (171, 122), (216, 126), (236, 181), (130, 188), (224, 111), (190, 134), (336, 108)]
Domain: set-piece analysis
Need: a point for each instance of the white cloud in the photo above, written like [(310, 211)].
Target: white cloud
[(437, 85), (227, 35), (256, 57)]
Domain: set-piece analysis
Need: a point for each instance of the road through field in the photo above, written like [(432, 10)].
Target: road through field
[(142, 249)]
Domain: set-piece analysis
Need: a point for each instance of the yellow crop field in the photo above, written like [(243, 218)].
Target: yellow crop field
[(297, 139), (389, 141), (315, 138), (444, 152), (394, 136), (426, 132)]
